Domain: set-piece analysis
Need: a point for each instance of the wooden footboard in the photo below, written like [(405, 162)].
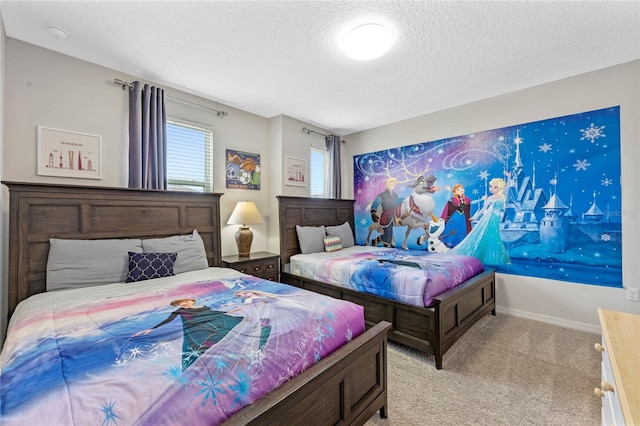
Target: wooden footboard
[(347, 387), (431, 330)]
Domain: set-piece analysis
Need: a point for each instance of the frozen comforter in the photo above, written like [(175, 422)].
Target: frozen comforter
[(189, 349), (413, 277)]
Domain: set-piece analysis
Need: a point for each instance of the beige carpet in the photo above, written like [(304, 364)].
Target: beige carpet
[(504, 371)]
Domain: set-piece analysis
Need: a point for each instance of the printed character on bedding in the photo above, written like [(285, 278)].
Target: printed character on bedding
[(484, 241), (202, 328), (266, 309)]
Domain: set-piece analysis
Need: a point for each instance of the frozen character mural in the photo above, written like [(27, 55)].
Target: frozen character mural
[(457, 216), (416, 211), (383, 215), (484, 241), (433, 237)]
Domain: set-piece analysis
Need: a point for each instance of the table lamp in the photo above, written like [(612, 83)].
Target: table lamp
[(244, 213)]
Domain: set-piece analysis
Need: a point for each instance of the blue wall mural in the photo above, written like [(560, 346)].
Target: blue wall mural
[(562, 211)]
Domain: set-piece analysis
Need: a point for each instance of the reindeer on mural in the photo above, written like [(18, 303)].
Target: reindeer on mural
[(415, 211)]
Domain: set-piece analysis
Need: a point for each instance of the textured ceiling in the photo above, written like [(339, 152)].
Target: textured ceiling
[(281, 57)]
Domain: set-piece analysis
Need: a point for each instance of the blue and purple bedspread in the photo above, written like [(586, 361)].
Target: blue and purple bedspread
[(413, 277), (164, 351)]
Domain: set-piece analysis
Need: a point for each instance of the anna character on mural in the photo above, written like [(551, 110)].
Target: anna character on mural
[(202, 328), (484, 241), (457, 216)]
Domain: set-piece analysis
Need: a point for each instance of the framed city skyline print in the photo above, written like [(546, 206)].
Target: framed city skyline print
[(66, 153), (296, 169)]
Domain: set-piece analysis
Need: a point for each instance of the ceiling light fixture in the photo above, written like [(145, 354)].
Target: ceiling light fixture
[(57, 32), (367, 41)]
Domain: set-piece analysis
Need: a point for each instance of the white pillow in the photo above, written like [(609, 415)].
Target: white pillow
[(343, 231), (310, 238), (192, 255), (85, 263)]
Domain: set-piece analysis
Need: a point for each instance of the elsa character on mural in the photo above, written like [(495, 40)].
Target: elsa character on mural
[(484, 241)]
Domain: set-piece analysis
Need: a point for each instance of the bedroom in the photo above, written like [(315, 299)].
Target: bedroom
[(35, 78)]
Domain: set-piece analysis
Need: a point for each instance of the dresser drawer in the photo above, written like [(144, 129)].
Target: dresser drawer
[(612, 410), (262, 265)]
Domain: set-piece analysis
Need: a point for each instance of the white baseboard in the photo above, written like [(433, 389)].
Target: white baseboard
[(551, 320)]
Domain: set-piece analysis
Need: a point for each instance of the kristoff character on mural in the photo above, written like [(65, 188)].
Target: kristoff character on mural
[(386, 201)]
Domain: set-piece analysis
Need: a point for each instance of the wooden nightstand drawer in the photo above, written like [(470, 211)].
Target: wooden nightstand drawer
[(261, 264)]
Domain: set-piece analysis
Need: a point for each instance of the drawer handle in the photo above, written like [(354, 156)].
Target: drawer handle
[(257, 268), (270, 267), (599, 392), (608, 387), (598, 347)]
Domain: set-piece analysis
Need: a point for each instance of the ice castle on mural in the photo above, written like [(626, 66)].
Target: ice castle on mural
[(530, 217)]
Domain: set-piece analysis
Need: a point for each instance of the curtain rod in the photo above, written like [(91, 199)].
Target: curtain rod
[(171, 98), (309, 131)]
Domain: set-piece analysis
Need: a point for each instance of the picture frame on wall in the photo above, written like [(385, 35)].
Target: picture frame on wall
[(243, 169), (65, 153), (296, 169)]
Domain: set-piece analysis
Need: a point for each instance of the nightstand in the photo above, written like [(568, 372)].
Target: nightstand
[(261, 264)]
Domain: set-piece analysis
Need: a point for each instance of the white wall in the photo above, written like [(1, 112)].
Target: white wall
[(568, 304), (49, 89)]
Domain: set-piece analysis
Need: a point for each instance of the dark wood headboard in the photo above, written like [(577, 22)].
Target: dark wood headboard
[(308, 212), (38, 212)]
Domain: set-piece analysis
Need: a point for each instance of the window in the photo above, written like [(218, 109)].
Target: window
[(189, 156), (319, 173)]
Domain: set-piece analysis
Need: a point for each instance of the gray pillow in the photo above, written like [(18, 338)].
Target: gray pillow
[(85, 263), (343, 231), (310, 238), (192, 255)]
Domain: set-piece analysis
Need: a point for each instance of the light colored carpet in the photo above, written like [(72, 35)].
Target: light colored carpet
[(505, 370)]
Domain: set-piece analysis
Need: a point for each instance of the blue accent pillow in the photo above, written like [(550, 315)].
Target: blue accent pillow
[(145, 266)]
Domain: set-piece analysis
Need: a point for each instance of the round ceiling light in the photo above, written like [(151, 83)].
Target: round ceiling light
[(57, 32), (368, 41)]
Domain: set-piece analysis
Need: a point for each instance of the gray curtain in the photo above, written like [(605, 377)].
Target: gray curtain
[(335, 174), (147, 137)]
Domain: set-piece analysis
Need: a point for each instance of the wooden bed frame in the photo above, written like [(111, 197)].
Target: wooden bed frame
[(432, 330), (346, 387)]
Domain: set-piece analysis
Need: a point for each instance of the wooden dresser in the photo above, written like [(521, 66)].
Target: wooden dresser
[(620, 369)]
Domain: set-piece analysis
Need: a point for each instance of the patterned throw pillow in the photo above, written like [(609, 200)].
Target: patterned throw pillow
[(332, 244), (145, 266)]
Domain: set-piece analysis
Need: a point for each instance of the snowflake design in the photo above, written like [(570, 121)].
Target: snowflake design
[(607, 182), (242, 388), (581, 165), (484, 175), (109, 414), (349, 334), (592, 133), (173, 374), (545, 147), (210, 388), (605, 237), (256, 357)]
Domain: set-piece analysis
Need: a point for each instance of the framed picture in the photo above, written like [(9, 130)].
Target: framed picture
[(242, 170), (296, 171), (70, 154)]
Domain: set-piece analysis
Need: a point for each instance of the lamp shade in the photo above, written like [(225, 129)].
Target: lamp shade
[(245, 213)]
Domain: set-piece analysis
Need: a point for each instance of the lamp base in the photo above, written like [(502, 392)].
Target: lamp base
[(244, 238)]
